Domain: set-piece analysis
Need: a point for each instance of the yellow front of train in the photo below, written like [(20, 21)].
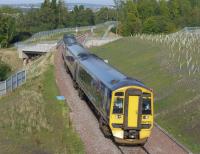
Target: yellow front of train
[(131, 115)]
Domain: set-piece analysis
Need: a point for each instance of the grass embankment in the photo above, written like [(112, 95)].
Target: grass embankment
[(33, 121), (176, 97)]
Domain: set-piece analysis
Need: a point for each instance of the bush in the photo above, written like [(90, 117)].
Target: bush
[(4, 70), (113, 30)]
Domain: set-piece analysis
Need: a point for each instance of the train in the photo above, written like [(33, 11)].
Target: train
[(124, 105)]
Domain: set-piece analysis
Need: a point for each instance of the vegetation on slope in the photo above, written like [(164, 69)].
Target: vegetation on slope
[(9, 63), (32, 120), (176, 98), (4, 71), (10, 57)]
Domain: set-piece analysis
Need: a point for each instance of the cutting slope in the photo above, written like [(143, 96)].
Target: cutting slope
[(176, 101)]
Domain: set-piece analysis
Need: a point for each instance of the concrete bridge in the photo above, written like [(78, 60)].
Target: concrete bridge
[(30, 51)]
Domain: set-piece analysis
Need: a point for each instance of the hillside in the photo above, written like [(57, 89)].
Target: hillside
[(32, 120), (176, 96)]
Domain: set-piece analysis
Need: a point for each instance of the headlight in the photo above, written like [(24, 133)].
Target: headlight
[(145, 117)]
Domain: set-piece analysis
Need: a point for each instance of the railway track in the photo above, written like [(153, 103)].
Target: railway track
[(133, 150), (145, 150), (151, 148)]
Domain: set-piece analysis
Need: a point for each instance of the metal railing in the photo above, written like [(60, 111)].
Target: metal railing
[(51, 33), (194, 30), (12, 82)]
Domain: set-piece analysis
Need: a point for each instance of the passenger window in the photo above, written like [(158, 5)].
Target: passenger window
[(118, 106), (146, 106)]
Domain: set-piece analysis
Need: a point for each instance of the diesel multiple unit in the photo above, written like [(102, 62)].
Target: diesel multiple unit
[(124, 105)]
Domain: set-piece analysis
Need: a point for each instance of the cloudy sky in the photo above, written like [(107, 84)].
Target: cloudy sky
[(76, 1)]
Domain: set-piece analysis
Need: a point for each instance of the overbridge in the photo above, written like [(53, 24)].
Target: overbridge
[(31, 51)]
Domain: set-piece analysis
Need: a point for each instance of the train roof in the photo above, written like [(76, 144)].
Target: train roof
[(69, 39), (109, 76), (77, 49)]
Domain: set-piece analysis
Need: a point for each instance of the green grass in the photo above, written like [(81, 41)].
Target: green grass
[(33, 121), (176, 99)]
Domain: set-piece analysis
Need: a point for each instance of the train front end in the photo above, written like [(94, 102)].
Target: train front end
[(131, 115)]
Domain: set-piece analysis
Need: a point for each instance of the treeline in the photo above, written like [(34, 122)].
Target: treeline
[(16, 25), (156, 16), (134, 16)]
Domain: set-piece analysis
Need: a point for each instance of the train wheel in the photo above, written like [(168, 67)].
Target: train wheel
[(142, 144), (81, 94), (104, 128), (66, 68), (75, 84)]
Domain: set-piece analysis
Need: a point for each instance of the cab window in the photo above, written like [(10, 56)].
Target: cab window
[(118, 106), (146, 106)]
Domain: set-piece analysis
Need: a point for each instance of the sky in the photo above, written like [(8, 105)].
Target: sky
[(106, 2)]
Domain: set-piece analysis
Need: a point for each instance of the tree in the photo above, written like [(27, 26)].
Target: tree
[(130, 22), (194, 17), (147, 8), (54, 4), (163, 9), (62, 14), (158, 24), (89, 15), (174, 9), (46, 4), (7, 30), (82, 16), (195, 3), (105, 14)]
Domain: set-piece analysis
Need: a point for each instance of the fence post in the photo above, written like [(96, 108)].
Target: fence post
[(24, 75), (5, 82), (12, 83), (17, 79)]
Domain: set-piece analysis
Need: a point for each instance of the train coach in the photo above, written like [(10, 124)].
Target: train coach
[(124, 105)]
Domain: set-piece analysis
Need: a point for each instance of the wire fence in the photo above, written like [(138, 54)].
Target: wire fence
[(51, 33), (195, 30), (12, 82)]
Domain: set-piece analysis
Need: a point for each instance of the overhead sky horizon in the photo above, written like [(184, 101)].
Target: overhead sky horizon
[(106, 2)]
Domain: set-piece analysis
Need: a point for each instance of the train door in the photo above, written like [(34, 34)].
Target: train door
[(133, 108)]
